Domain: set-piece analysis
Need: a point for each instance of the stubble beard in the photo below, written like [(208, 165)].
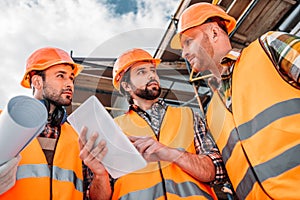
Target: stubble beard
[(55, 97)]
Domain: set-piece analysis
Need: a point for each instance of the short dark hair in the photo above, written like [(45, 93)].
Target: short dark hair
[(126, 78), (40, 73), (220, 21)]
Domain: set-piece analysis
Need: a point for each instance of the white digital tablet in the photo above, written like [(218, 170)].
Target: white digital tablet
[(122, 157)]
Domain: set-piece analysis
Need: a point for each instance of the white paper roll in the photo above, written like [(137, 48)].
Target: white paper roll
[(22, 119)]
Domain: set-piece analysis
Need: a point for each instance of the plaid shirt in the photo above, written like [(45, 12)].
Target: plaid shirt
[(204, 144), (282, 48)]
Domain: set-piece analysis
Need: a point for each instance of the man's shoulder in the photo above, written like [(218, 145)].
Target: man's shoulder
[(67, 125), (270, 36), (181, 109), (121, 117)]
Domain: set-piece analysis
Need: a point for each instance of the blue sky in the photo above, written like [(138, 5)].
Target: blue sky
[(86, 27)]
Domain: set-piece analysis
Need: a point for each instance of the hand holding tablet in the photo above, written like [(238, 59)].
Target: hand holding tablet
[(122, 157)]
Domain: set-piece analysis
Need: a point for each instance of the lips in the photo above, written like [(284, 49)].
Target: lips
[(68, 92), (190, 60), (153, 82)]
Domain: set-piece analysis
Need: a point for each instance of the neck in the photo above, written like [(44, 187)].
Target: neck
[(144, 104), (220, 68), (51, 106)]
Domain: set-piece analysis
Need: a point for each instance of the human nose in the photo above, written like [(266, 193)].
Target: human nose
[(151, 75), (69, 83), (184, 53)]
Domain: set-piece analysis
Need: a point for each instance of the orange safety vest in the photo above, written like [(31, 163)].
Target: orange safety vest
[(36, 181), (162, 179), (259, 140)]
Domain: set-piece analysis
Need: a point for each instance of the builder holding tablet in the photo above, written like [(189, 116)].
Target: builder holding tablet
[(182, 159)]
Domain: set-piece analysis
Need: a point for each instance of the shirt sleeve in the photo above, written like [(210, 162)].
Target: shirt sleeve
[(87, 180), (204, 144), (284, 50)]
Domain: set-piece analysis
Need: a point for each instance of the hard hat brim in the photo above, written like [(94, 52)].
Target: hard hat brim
[(26, 79), (197, 15), (175, 42), (116, 83)]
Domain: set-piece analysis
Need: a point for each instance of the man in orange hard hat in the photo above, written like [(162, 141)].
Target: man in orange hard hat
[(182, 158), (49, 167), (254, 113)]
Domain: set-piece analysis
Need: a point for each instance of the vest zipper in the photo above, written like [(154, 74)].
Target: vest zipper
[(51, 164), (159, 165), (160, 170), (163, 181)]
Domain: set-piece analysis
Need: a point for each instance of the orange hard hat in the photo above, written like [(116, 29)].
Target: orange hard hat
[(126, 60), (47, 57), (196, 15)]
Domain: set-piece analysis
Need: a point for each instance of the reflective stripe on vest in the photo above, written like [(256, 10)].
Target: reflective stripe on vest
[(265, 170), (262, 120), (42, 170), (147, 183), (34, 174), (260, 139), (183, 190)]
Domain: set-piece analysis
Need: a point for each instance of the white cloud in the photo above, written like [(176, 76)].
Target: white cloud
[(78, 25)]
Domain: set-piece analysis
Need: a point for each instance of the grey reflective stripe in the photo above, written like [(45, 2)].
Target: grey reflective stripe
[(42, 170), (33, 171), (185, 189), (68, 176), (271, 114), (271, 168), (231, 142), (263, 119)]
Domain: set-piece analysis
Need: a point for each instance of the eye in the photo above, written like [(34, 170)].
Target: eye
[(141, 72), (187, 42), (60, 75)]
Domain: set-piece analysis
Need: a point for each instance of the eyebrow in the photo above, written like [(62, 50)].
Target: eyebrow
[(140, 68), (64, 72)]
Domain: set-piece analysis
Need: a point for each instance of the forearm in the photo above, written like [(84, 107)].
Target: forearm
[(100, 187), (200, 167)]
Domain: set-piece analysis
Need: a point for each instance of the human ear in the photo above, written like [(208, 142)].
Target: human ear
[(125, 86), (37, 82), (215, 32)]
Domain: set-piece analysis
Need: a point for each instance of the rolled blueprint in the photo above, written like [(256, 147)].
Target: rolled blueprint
[(22, 119)]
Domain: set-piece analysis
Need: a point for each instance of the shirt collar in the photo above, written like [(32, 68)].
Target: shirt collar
[(232, 55), (159, 104), (228, 62)]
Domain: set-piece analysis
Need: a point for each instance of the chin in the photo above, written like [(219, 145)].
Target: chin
[(67, 101)]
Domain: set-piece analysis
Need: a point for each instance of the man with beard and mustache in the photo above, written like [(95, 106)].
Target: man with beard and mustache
[(182, 158), (254, 112), (49, 167)]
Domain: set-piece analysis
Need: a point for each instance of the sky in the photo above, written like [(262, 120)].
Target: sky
[(88, 28)]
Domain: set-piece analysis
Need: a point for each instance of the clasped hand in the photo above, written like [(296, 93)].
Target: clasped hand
[(152, 150)]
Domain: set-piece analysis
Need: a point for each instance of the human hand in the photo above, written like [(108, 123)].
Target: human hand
[(151, 149), (92, 157), (8, 173)]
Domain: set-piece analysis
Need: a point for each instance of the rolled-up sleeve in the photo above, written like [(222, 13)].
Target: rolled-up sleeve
[(204, 144)]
